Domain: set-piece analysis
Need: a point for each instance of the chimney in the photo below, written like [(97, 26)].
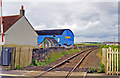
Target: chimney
[(22, 11)]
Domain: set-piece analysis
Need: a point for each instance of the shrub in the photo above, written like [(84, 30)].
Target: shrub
[(92, 69), (34, 63), (18, 67), (102, 68), (8, 68)]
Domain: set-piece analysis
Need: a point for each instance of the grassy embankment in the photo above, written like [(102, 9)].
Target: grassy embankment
[(54, 56)]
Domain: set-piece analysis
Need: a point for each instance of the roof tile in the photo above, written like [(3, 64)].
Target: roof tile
[(8, 21)]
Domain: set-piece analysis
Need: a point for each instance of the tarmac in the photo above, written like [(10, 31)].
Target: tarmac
[(58, 74), (36, 73)]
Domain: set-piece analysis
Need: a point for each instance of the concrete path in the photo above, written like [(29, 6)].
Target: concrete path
[(36, 73), (23, 74)]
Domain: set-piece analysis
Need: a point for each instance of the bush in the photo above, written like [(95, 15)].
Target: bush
[(18, 67), (8, 68), (34, 63), (92, 69), (102, 68)]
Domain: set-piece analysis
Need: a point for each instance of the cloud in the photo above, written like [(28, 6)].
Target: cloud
[(61, 0), (90, 21), (40, 27)]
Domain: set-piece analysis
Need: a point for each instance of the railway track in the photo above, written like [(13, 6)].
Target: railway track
[(69, 60), (79, 62)]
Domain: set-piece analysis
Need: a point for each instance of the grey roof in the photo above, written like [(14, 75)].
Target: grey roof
[(52, 40), (50, 32)]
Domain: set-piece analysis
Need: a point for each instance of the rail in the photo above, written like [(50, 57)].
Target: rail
[(68, 60)]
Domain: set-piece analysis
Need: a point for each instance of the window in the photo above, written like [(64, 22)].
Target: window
[(58, 39)]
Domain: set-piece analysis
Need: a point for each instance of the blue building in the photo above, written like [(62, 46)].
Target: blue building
[(62, 36)]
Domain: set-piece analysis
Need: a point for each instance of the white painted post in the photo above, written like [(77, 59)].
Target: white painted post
[(117, 61), (112, 61), (107, 62)]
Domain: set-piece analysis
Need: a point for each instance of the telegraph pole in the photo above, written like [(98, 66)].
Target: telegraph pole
[(2, 32), (114, 40)]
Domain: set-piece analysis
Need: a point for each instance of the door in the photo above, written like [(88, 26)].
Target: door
[(6, 56)]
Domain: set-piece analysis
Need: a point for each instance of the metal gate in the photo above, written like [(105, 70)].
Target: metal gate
[(6, 56)]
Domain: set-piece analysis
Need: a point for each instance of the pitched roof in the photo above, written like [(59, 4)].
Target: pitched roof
[(50, 32), (52, 40), (8, 21)]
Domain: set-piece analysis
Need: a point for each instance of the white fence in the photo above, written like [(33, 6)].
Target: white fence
[(112, 61)]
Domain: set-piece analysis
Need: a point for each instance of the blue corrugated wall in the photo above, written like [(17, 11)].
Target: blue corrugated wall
[(62, 38)]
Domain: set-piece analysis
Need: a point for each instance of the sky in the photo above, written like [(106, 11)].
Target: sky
[(89, 20)]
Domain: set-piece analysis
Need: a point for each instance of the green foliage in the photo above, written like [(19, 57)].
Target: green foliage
[(102, 68), (31, 64), (18, 67), (8, 68), (92, 69), (34, 63), (53, 57), (107, 46), (56, 55), (87, 44), (42, 63), (37, 63)]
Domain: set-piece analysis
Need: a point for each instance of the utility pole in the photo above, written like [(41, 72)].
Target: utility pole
[(114, 40), (2, 32)]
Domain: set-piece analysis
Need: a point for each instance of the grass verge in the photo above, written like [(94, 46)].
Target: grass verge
[(54, 56)]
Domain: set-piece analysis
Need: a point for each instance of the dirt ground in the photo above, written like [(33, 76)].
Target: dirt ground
[(92, 60)]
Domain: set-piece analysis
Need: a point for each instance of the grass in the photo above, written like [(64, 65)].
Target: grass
[(92, 69), (8, 68), (112, 46), (102, 68), (54, 56), (18, 67), (86, 44)]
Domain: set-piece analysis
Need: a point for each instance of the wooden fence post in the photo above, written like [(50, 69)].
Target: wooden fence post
[(115, 59), (13, 59), (112, 61), (107, 62), (20, 56), (117, 62), (28, 54)]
